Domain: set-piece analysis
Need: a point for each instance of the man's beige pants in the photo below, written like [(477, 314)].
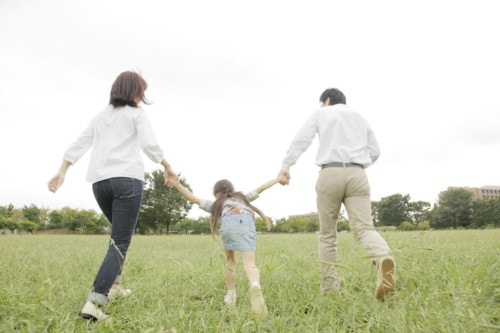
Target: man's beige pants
[(349, 186)]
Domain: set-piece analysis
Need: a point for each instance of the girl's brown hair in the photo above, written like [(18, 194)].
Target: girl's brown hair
[(225, 189), (128, 89)]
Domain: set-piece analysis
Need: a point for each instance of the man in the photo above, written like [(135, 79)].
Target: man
[(347, 145)]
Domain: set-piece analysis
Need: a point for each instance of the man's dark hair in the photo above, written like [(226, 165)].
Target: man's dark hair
[(336, 96)]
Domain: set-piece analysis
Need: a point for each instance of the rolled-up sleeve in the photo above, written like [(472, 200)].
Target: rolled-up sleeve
[(78, 148), (147, 139), (251, 196), (373, 147), (300, 142), (206, 205)]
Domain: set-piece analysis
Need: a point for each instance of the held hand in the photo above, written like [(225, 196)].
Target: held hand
[(171, 178), (171, 182), (284, 178), (55, 182)]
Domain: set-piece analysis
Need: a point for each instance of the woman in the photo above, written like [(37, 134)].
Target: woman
[(116, 170)]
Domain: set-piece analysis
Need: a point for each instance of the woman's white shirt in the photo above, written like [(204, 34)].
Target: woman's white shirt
[(116, 136)]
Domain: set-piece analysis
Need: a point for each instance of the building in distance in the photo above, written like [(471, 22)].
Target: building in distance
[(484, 192)]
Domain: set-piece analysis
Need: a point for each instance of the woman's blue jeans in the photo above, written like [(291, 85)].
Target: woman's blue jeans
[(120, 201)]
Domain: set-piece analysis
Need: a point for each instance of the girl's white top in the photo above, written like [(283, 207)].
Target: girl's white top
[(117, 136), (230, 203)]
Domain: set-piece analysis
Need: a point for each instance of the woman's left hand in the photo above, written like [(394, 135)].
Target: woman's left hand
[(170, 178)]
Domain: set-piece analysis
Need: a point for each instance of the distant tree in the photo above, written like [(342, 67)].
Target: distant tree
[(496, 213), (185, 226), (343, 222), (393, 210), (89, 221), (454, 209), (14, 222), (406, 226), (11, 218), (424, 225), (297, 224), (280, 226), (32, 213), (70, 218), (28, 226), (3, 212), (419, 211), (312, 225), (482, 213), (56, 219), (375, 219), (343, 226), (162, 206), (260, 225), (11, 224), (102, 224), (7, 211), (201, 225)]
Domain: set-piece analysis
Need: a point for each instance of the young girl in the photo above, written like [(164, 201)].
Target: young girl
[(237, 230)]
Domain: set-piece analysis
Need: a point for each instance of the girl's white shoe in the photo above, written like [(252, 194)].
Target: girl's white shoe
[(230, 297)]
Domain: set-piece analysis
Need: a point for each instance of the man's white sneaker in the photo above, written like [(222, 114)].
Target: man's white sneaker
[(92, 312), (386, 279)]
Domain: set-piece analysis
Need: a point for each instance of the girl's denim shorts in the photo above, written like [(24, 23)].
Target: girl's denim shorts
[(237, 232)]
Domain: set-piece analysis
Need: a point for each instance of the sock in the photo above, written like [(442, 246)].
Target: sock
[(230, 297)]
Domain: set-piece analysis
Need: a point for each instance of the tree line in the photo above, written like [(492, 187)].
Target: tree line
[(456, 208), (164, 211)]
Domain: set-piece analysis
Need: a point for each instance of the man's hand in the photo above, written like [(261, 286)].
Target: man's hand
[(284, 177)]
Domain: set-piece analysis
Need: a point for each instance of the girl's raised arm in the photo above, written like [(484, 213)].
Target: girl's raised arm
[(267, 185), (185, 192)]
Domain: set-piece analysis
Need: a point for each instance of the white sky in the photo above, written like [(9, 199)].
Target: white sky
[(232, 81)]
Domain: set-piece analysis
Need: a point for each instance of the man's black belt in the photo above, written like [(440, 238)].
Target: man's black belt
[(341, 165)]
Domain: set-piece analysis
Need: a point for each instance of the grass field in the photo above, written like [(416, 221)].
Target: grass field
[(448, 281)]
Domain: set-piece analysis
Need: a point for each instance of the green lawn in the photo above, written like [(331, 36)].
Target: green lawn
[(448, 281)]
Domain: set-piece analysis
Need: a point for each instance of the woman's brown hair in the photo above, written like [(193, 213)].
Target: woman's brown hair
[(225, 190), (128, 89)]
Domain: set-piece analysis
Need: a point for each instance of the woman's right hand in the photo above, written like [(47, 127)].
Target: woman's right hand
[(55, 182)]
